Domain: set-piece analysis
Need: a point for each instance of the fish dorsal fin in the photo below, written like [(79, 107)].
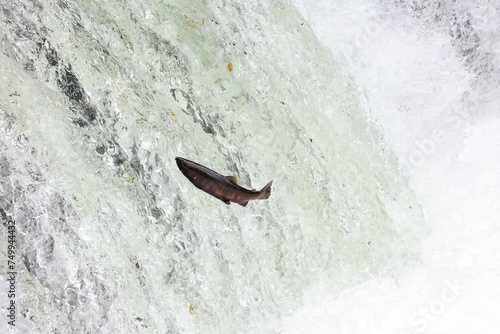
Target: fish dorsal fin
[(233, 179)]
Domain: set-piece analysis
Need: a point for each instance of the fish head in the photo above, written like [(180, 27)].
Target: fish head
[(181, 163)]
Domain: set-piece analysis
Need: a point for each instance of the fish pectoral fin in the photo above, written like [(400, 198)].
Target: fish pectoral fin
[(243, 204), (233, 179)]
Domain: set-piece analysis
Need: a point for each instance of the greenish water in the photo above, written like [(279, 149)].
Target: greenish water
[(96, 101)]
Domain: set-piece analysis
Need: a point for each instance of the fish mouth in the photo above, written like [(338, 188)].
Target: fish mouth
[(181, 163)]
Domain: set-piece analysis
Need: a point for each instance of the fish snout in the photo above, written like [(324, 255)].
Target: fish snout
[(181, 164)]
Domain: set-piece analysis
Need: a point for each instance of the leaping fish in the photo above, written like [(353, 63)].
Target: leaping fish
[(225, 188)]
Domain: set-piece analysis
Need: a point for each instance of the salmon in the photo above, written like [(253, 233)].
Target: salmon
[(225, 188)]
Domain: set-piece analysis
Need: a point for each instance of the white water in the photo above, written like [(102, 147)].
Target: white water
[(97, 100), (435, 93)]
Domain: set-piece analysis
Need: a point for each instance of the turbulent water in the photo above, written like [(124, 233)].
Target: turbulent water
[(98, 98)]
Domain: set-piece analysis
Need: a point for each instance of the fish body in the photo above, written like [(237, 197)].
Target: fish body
[(225, 188)]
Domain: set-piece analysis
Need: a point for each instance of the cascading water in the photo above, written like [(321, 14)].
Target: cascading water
[(96, 101)]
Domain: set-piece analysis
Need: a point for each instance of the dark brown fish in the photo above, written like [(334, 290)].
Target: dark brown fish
[(225, 188)]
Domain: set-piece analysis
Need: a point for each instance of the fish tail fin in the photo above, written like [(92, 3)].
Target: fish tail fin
[(266, 191)]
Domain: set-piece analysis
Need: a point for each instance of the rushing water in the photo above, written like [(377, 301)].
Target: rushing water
[(96, 101)]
